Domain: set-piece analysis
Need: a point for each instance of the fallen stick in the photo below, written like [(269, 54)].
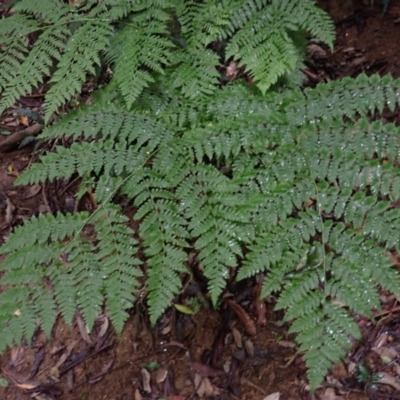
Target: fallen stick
[(12, 140)]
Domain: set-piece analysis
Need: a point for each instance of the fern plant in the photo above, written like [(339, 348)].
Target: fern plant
[(300, 180)]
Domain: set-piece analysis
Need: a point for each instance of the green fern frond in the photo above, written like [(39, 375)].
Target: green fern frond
[(263, 45), (81, 272), (195, 74), (136, 51), (81, 56), (164, 233), (16, 27), (45, 11), (35, 66), (347, 97)]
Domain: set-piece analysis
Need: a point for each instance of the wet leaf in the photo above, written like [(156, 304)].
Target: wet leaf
[(184, 309), (4, 382), (151, 366)]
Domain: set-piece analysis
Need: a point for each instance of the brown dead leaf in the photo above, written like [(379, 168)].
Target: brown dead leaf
[(387, 379), (23, 120), (103, 319), (66, 354), (259, 305), (54, 374), (205, 370), (146, 380), (249, 347), (285, 343), (70, 379), (316, 51), (396, 369), (138, 395), (96, 377), (19, 381), (161, 375), (330, 394), (237, 338), (204, 386), (232, 71), (386, 353), (245, 319), (31, 191), (16, 356), (39, 357), (9, 211), (83, 331), (273, 396)]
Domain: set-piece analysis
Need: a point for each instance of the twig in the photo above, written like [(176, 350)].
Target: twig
[(33, 130), (10, 142)]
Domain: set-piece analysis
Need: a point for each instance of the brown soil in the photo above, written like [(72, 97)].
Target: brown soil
[(210, 354)]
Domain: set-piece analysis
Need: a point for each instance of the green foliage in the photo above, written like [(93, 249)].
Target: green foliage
[(298, 185)]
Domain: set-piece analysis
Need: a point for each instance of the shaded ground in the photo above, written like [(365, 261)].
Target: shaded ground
[(213, 354)]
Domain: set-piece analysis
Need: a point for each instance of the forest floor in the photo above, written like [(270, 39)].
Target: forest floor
[(187, 356)]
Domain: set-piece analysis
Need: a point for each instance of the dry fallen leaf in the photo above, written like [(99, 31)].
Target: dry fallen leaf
[(204, 386), (273, 396), (23, 120), (330, 394), (237, 338), (9, 211), (388, 379), (16, 356), (285, 343), (83, 331), (161, 375), (387, 353), (66, 354), (138, 396), (96, 377), (31, 191), (104, 324), (245, 319), (146, 380), (19, 381)]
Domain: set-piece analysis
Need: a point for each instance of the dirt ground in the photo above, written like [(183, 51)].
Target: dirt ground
[(210, 354)]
